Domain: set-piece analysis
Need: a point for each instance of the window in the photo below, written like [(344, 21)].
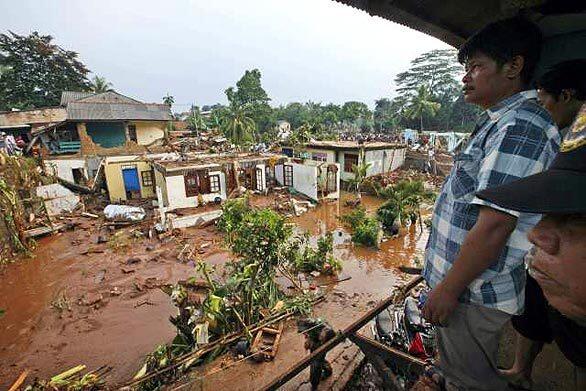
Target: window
[(259, 184), (288, 175), (320, 157), (197, 182), (132, 133), (350, 160), (191, 185), (147, 178), (214, 183)]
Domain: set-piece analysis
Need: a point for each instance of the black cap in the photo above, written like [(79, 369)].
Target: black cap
[(559, 189)]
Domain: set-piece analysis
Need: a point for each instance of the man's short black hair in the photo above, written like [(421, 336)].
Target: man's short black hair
[(503, 40), (567, 75)]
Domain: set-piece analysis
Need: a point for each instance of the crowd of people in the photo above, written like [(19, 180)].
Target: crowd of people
[(508, 235)]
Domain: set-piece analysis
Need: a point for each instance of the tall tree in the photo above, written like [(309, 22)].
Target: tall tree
[(100, 84), (168, 100), (237, 125), (422, 104), (437, 70), (195, 120), (250, 94), (36, 71)]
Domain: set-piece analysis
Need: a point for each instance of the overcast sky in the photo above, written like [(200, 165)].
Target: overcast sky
[(315, 50)]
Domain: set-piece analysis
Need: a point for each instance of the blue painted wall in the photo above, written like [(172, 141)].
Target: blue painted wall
[(107, 134)]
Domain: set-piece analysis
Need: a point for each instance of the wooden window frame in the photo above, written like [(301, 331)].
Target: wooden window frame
[(149, 182), (191, 181), (288, 175), (349, 163), (215, 184)]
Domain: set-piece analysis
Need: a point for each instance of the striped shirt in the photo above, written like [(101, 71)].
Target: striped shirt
[(513, 139)]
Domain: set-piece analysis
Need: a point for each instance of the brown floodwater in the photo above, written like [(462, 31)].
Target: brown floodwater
[(124, 327)]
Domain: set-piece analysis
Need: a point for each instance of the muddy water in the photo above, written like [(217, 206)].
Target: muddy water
[(125, 327), (119, 331), (372, 270)]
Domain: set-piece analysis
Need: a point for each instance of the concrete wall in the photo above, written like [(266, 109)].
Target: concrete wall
[(323, 172), (63, 167), (148, 132), (346, 175), (162, 184), (107, 134), (305, 179), (176, 195), (115, 182), (279, 174), (330, 155)]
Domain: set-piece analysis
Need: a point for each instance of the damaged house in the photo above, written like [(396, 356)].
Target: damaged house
[(186, 182), (76, 138), (380, 156)]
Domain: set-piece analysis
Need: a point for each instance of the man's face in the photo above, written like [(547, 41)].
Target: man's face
[(559, 263), (562, 109), (484, 82)]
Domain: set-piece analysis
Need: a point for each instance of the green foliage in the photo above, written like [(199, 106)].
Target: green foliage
[(365, 229), (195, 120), (35, 71), (250, 97), (360, 172), (403, 202), (233, 212), (100, 84), (168, 100), (421, 105), (321, 259), (438, 73), (237, 125)]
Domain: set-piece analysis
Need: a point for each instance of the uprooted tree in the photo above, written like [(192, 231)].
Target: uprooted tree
[(245, 295)]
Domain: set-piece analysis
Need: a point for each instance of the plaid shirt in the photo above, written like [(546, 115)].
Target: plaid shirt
[(513, 139)]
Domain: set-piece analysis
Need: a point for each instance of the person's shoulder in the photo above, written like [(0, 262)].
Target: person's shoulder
[(532, 113), (530, 118)]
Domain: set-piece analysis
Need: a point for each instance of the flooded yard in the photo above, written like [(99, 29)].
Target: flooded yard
[(78, 301)]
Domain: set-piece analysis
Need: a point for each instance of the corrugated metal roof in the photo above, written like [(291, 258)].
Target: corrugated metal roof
[(70, 96), (78, 111), (453, 21)]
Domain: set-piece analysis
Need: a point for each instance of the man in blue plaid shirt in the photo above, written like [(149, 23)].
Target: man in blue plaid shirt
[(474, 260)]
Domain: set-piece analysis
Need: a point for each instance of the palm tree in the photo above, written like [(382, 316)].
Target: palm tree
[(237, 125), (403, 203), (100, 84), (168, 100), (195, 120), (360, 173), (422, 104)]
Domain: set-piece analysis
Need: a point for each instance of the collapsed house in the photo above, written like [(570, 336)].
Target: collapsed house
[(75, 137), (380, 156)]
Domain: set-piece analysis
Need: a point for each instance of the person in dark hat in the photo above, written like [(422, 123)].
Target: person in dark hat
[(556, 308), (561, 91)]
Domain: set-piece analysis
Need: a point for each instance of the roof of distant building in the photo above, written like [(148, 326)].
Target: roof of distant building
[(201, 161), (346, 144), (111, 106)]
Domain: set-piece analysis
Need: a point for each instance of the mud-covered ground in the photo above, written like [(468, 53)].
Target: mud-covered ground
[(78, 301)]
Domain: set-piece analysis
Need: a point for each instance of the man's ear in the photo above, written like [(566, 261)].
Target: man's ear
[(514, 67)]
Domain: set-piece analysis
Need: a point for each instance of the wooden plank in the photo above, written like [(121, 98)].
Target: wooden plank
[(340, 337), (39, 231), (19, 381)]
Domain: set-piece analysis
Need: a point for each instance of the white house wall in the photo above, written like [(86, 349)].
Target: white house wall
[(324, 173), (63, 168), (279, 174), (305, 180), (177, 197)]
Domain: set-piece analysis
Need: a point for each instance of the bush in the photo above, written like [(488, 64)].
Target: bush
[(365, 230), (233, 212)]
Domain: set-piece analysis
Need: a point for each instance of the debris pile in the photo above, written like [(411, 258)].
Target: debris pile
[(212, 307)]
